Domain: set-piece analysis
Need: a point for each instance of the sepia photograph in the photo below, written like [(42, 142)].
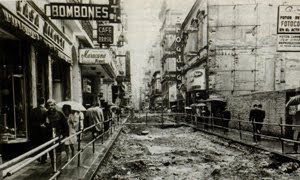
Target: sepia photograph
[(149, 89)]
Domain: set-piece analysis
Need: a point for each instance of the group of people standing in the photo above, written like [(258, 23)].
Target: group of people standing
[(48, 122)]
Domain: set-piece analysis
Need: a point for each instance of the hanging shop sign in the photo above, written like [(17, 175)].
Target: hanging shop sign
[(196, 79), (102, 12), (288, 20), (94, 56), (288, 28), (105, 34)]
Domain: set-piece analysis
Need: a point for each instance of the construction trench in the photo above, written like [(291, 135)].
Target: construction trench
[(175, 151)]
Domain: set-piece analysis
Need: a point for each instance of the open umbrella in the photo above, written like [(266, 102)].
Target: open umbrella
[(200, 104), (293, 101), (76, 106)]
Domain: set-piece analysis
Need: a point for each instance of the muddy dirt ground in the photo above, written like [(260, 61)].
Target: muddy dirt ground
[(182, 153)]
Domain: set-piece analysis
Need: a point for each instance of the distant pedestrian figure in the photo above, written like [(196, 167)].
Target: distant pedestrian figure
[(252, 116), (205, 113), (226, 114), (257, 116), (260, 116), (296, 130), (38, 128)]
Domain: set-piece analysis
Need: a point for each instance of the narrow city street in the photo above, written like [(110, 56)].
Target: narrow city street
[(150, 89), (182, 153)]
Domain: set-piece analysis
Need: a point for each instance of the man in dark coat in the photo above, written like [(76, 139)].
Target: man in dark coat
[(38, 128), (252, 117), (226, 114), (257, 116), (57, 126), (259, 119)]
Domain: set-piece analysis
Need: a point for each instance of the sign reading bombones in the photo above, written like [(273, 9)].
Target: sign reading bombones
[(288, 28), (104, 12)]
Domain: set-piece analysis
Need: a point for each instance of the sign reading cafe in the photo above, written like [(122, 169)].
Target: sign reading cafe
[(104, 12), (105, 34)]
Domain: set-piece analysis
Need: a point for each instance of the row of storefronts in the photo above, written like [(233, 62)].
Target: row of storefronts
[(40, 57)]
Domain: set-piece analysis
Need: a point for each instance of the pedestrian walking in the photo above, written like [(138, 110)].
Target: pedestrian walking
[(205, 114), (57, 126), (38, 128), (252, 117), (106, 114), (73, 121), (296, 129), (99, 117), (95, 116), (226, 116), (80, 116), (260, 116)]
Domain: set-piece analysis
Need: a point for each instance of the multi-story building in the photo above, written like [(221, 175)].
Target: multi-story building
[(243, 53), (103, 66), (169, 18), (44, 57), (39, 58)]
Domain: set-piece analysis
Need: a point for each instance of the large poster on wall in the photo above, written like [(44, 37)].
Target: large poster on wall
[(196, 79)]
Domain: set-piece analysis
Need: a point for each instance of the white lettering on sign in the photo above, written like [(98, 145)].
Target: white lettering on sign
[(105, 34), (104, 12), (79, 11), (105, 29)]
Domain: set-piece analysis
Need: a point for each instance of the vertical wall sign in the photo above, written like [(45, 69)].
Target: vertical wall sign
[(179, 59)]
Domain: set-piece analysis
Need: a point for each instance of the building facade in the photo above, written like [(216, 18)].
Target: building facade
[(50, 58)]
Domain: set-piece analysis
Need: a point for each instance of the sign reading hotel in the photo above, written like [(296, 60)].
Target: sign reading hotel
[(94, 56), (105, 34), (103, 12), (288, 28)]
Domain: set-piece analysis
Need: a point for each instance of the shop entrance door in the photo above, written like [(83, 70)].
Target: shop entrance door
[(14, 115)]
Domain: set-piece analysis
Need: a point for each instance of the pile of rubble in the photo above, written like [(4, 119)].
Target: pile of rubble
[(182, 153)]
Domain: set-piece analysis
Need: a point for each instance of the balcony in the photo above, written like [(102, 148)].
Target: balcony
[(87, 27)]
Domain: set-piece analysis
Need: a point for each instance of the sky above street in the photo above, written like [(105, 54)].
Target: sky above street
[(143, 28)]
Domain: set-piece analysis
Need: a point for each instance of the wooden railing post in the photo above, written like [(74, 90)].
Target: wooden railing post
[(281, 136), (146, 117), (1, 172), (94, 137), (240, 130), (78, 147), (162, 118)]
